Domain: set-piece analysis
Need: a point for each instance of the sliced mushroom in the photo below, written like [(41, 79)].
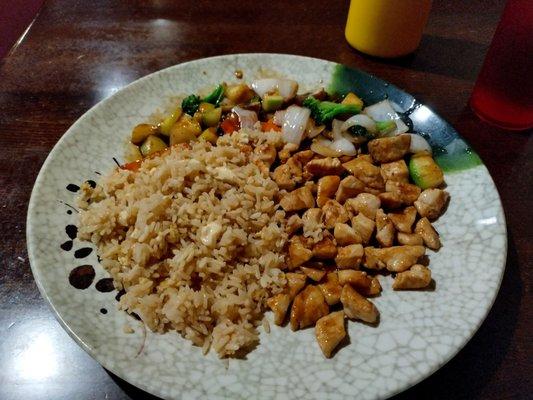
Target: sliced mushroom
[(395, 171), (407, 192), (324, 166), (431, 203), (412, 239), (417, 277), (384, 229), (349, 256), (344, 235), (299, 253), (366, 172), (388, 149), (395, 259), (428, 233), (279, 304), (307, 308), (299, 199), (334, 213), (363, 226), (365, 203), (358, 307), (295, 283), (331, 288), (327, 186), (349, 187), (313, 273), (404, 220), (330, 331)]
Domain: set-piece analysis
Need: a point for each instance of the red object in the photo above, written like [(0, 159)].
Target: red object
[(503, 94), (230, 124), (15, 17), (270, 126)]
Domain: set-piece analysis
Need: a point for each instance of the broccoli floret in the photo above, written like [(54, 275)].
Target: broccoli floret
[(190, 104), (325, 111), (216, 96), (360, 131)]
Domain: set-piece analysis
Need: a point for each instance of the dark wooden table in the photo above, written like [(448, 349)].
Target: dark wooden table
[(79, 52)]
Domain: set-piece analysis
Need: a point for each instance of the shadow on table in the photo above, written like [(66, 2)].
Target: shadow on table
[(131, 391), (467, 373)]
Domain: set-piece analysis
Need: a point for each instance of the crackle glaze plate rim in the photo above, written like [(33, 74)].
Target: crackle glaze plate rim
[(399, 345)]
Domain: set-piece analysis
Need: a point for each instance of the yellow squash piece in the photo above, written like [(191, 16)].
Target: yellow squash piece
[(185, 130), (141, 132), (132, 153), (168, 122), (352, 98), (151, 145), (210, 135)]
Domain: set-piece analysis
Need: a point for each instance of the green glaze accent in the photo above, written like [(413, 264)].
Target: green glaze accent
[(459, 161)]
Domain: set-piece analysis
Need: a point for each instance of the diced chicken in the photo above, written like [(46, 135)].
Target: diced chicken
[(428, 233), (299, 199), (304, 156), (334, 213), (266, 153), (345, 159), (366, 157), (285, 153), (283, 178), (395, 171), (417, 277), (295, 283), (407, 192), (299, 253), (357, 307), (375, 287), (366, 172), (307, 308), (404, 220), (359, 280), (325, 249), (431, 203), (344, 235), (349, 187), (330, 331), (324, 166), (327, 186), (364, 203), (331, 288), (384, 229), (294, 223), (312, 221), (349, 256), (279, 304), (388, 149), (390, 200), (313, 273), (395, 259), (413, 239), (363, 226)]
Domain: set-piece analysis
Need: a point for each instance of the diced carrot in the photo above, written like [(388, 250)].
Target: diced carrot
[(132, 166), (270, 126), (230, 125)]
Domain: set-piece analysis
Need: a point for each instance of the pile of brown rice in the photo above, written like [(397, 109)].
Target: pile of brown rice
[(195, 239)]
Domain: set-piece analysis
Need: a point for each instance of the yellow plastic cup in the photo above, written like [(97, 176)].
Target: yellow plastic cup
[(386, 28)]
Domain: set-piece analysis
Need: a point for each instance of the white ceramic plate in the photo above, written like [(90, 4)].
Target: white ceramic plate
[(419, 331)]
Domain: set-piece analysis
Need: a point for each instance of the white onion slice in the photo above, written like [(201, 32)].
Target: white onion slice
[(278, 117), (383, 111), (287, 88), (336, 148), (344, 147), (312, 130), (418, 144), (247, 118), (294, 124), (362, 120)]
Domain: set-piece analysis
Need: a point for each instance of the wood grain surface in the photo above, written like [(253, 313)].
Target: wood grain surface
[(79, 52)]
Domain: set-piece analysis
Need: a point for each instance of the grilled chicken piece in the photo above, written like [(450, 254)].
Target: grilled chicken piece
[(283, 177), (312, 220), (417, 277), (295, 283), (390, 200), (349, 256), (285, 153), (356, 306), (408, 192), (363, 226), (327, 186), (404, 220), (313, 273), (325, 249), (331, 288), (304, 156), (279, 304), (395, 259), (365, 203), (428, 233), (294, 223), (324, 166), (388, 149), (366, 172), (359, 280), (344, 235), (366, 157), (266, 153), (308, 307), (329, 331), (412, 239), (299, 251), (395, 171), (334, 213), (349, 187), (384, 229), (299, 199), (375, 288), (431, 203)]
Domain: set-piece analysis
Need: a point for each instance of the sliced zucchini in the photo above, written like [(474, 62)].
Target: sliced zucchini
[(151, 145), (211, 117), (272, 102), (185, 130), (424, 171), (132, 153), (141, 132), (168, 122), (210, 135)]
